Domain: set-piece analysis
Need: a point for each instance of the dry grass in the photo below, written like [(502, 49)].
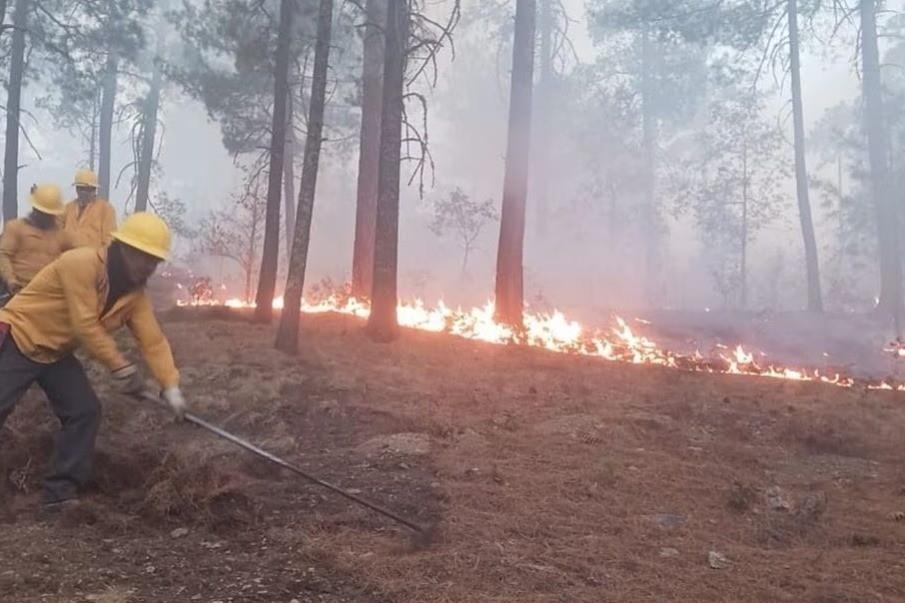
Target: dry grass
[(553, 478), (185, 491)]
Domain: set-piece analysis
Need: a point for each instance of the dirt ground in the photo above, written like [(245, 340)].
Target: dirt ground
[(550, 478)]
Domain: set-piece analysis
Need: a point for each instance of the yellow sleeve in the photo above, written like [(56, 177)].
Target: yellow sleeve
[(9, 242), (81, 298), (153, 343), (109, 225)]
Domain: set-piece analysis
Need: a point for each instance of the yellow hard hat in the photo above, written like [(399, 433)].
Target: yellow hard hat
[(85, 178), (47, 199), (146, 232)]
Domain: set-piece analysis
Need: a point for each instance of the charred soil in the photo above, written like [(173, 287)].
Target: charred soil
[(549, 478)]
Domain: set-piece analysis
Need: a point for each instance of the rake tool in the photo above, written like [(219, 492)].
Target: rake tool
[(421, 531)]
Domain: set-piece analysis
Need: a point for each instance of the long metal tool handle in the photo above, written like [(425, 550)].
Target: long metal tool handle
[(218, 431)]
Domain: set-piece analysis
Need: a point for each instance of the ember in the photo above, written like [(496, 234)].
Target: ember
[(556, 333)]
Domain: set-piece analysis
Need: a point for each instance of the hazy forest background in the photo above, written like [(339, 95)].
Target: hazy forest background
[(662, 167)]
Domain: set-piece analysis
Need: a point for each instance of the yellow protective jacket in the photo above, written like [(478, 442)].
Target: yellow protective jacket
[(91, 225), (60, 310), (25, 250)]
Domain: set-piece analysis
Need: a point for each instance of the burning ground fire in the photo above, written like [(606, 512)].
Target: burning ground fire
[(556, 333)]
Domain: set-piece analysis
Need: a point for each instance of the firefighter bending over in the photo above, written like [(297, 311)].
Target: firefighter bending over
[(78, 301)]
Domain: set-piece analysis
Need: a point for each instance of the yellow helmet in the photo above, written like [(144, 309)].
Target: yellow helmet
[(85, 178), (146, 232), (47, 199)]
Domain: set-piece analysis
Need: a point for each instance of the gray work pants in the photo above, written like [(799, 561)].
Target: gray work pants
[(73, 402)]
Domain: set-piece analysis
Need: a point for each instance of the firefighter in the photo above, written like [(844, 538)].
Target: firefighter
[(29, 244), (79, 300), (89, 220)]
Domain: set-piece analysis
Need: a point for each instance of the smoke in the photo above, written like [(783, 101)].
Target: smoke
[(585, 241)]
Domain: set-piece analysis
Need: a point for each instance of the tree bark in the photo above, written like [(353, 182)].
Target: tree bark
[(382, 325), (148, 136), (92, 140), (252, 251), (369, 148), (289, 175), (878, 153), (649, 214), (13, 108), (542, 116), (108, 106), (743, 267), (509, 271), (812, 264), (288, 333), (270, 252)]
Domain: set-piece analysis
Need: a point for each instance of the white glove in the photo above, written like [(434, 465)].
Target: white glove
[(173, 396), (128, 380)]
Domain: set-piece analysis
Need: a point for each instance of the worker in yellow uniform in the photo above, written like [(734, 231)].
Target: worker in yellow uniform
[(30, 243), (89, 220), (78, 301)]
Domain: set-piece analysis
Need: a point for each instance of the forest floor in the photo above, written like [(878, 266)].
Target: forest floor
[(549, 477)]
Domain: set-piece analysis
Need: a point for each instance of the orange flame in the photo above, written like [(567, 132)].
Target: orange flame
[(556, 333)]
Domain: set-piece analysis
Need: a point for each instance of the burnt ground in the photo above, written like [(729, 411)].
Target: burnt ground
[(550, 478)]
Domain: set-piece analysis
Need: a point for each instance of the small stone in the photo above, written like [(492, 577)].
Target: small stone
[(295, 601), (669, 552), (717, 560), (179, 532), (777, 499), (812, 507), (667, 521)]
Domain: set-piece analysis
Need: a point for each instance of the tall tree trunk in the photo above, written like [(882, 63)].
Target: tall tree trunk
[(649, 213), (542, 116), (288, 333), (841, 224), (270, 253), (812, 264), (509, 270), (252, 251), (108, 105), (289, 174), (13, 108), (878, 154), (148, 136), (369, 148), (382, 324), (743, 267), (92, 138)]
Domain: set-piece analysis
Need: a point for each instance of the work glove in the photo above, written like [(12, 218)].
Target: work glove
[(128, 380), (174, 398)]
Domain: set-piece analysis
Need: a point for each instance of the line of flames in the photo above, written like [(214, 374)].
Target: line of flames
[(557, 333)]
